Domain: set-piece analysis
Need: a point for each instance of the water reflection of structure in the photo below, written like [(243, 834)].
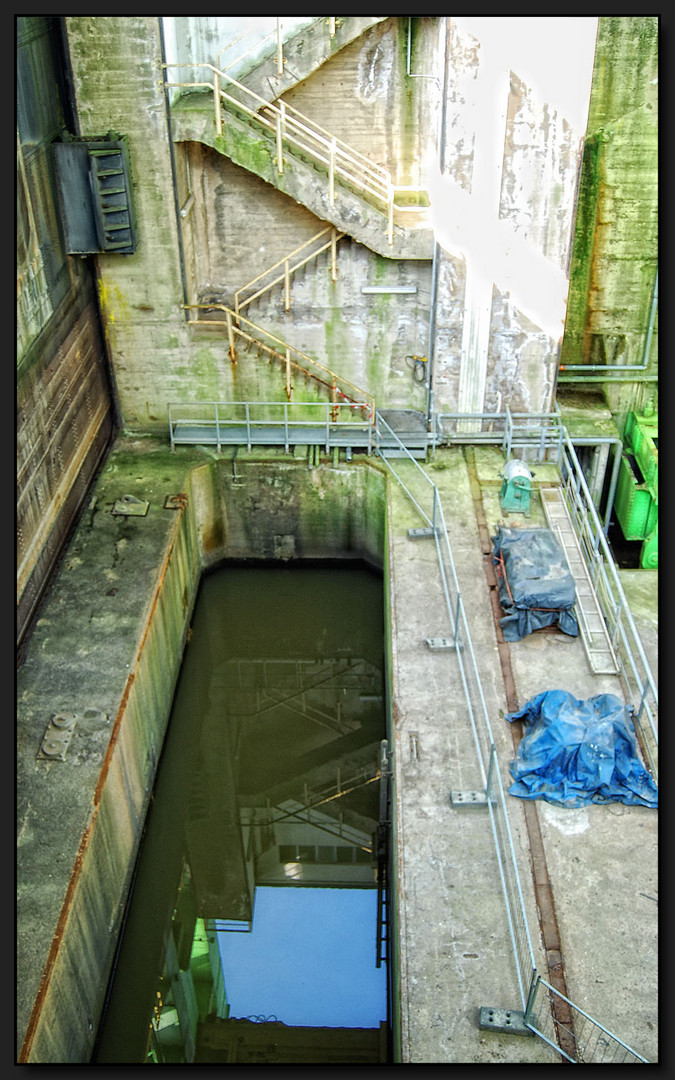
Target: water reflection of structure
[(271, 775)]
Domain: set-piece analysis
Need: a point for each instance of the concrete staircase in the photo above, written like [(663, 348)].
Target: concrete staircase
[(253, 147), (303, 53)]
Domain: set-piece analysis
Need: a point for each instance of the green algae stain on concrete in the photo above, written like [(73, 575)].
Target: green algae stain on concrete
[(338, 344), (204, 375)]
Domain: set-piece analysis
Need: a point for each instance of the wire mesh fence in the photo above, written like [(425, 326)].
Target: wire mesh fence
[(581, 1039)]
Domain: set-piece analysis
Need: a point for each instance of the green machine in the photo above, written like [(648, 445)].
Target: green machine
[(636, 502), (515, 493)]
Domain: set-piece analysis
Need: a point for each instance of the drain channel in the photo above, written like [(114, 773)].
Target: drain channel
[(543, 890)]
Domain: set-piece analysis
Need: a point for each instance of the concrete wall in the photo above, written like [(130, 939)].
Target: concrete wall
[(239, 227), (503, 212), (616, 241), (117, 76), (515, 105), (65, 414), (364, 96)]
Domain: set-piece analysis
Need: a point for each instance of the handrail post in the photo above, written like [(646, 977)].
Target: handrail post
[(333, 397), (531, 997), (280, 50), (288, 373), (333, 253), (331, 172), (287, 287), (281, 128), (230, 337), (331, 25), (390, 213), (215, 407), (217, 103), (248, 427)]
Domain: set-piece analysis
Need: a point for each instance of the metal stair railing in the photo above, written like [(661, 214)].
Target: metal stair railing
[(299, 136), (288, 270), (341, 390)]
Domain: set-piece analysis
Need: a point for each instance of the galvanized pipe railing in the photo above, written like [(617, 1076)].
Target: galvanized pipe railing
[(477, 710), (200, 421), (635, 670), (592, 1042)]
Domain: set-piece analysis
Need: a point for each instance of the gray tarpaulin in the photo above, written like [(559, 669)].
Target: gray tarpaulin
[(536, 588)]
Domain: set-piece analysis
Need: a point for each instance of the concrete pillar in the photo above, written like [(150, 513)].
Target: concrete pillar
[(516, 102)]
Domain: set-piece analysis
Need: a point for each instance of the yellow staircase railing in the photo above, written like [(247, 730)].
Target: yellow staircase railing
[(341, 390), (241, 300)]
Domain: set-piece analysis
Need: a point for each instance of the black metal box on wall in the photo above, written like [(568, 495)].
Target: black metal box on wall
[(93, 179)]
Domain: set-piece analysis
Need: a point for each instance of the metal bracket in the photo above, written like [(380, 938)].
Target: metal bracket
[(419, 534), (506, 1021), (176, 502), (130, 506), (437, 644), (57, 737), (468, 798)]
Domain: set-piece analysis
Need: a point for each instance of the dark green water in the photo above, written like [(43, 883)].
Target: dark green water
[(268, 778)]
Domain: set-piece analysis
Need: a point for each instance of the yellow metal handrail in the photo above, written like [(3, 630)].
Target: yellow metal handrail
[(239, 304), (341, 390), (295, 131)]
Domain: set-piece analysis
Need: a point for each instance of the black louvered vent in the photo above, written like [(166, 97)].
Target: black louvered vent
[(96, 195)]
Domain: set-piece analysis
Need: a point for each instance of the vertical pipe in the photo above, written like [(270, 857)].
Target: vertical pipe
[(652, 316), (230, 337), (431, 348), (331, 172), (287, 287), (281, 127), (390, 213), (280, 50), (288, 373), (216, 104), (431, 345)]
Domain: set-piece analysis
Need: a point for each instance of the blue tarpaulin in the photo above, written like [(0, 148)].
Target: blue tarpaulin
[(574, 753), (536, 588)]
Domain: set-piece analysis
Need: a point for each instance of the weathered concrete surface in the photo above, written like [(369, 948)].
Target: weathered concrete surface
[(452, 939), (305, 181), (602, 863)]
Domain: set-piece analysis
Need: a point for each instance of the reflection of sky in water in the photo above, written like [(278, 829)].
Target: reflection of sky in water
[(309, 961)]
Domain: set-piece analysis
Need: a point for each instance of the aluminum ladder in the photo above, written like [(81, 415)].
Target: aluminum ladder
[(592, 626)]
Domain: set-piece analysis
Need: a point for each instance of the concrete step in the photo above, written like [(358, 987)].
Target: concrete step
[(254, 149), (304, 52)]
